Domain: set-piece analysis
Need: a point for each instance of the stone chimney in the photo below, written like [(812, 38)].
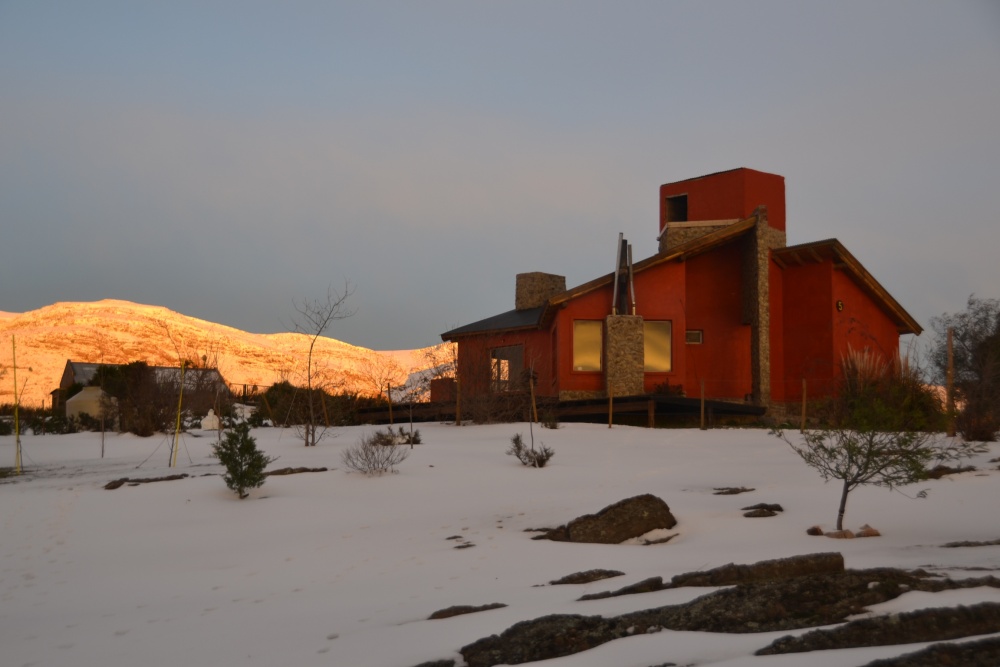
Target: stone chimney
[(536, 288)]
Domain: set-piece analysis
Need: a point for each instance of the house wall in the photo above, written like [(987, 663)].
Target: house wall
[(715, 306), (474, 367), (861, 324), (808, 330), (728, 195), (660, 295)]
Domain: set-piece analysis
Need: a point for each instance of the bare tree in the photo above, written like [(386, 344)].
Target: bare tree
[(976, 365), (379, 371), (313, 319)]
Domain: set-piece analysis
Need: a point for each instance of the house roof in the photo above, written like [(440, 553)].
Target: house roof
[(792, 255), (532, 318), (509, 321), (82, 372), (832, 249), (677, 253)]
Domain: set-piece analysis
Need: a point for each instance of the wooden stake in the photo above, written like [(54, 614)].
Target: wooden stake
[(388, 395), (703, 427), (611, 406), (802, 429), (531, 390), (17, 423), (950, 386), (177, 430)]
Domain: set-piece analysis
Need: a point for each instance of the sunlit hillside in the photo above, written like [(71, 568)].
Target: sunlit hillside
[(118, 332)]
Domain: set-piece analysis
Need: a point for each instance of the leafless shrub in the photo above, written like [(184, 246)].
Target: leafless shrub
[(375, 454)]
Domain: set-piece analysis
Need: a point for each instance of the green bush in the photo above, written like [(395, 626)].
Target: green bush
[(529, 456), (244, 463)]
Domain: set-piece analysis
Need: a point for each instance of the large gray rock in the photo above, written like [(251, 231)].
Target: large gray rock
[(616, 523)]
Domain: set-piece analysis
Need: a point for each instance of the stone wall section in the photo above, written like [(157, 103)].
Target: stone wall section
[(579, 395), (536, 288), (678, 233), (624, 355), (757, 300)]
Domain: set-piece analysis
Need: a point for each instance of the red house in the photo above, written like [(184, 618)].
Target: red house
[(724, 304)]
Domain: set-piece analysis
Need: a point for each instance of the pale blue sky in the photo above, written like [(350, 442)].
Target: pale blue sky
[(225, 158)]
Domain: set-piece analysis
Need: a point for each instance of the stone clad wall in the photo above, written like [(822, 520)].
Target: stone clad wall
[(624, 355), (678, 233), (756, 302), (535, 289)]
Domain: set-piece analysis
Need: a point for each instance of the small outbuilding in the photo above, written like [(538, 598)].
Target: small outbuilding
[(89, 400)]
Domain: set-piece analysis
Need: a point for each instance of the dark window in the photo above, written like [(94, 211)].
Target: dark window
[(506, 366), (677, 208)]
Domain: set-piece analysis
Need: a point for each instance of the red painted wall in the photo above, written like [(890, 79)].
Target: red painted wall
[(808, 330), (714, 305), (474, 359), (861, 323), (729, 195), (659, 296)]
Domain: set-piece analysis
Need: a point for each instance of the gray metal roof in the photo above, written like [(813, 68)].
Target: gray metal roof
[(513, 319)]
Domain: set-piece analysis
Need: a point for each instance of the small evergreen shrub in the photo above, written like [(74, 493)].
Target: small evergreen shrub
[(244, 463), (529, 456), (550, 419), (375, 454), (408, 437)]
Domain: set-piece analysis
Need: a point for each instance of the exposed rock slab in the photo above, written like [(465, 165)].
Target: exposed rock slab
[(617, 523), (461, 609), (114, 484), (766, 570), (586, 577), (292, 471), (906, 628), (982, 653), (761, 606), (645, 586)]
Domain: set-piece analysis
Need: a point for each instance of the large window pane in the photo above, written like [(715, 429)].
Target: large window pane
[(588, 338), (656, 346)]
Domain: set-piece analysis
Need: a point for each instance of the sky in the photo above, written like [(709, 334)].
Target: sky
[(227, 159)]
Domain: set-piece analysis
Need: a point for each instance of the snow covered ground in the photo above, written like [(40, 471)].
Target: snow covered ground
[(334, 568)]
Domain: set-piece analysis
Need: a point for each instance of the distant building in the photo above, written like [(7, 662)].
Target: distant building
[(203, 387), (724, 304)]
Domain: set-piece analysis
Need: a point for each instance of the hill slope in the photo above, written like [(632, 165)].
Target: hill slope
[(117, 332)]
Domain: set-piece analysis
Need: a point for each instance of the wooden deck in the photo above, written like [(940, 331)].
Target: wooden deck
[(649, 410)]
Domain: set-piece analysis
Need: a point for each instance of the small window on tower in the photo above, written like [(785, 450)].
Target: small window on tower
[(677, 208)]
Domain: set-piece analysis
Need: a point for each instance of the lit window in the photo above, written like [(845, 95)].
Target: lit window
[(656, 346), (588, 340)]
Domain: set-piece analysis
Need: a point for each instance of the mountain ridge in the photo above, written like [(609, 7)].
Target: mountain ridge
[(118, 332)]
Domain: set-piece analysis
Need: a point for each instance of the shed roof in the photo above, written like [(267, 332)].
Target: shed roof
[(509, 321), (834, 250)]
